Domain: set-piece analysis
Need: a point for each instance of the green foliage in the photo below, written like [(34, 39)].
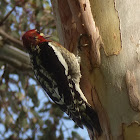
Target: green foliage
[(75, 136), (25, 111), (26, 15)]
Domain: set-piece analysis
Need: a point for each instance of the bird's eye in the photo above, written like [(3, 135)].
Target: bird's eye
[(38, 32)]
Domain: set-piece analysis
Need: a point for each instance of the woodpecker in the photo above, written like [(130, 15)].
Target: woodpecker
[(58, 72)]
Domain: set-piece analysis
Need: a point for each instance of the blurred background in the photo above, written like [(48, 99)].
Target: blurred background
[(26, 112)]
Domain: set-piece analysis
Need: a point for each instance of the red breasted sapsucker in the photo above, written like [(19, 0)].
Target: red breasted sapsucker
[(58, 72)]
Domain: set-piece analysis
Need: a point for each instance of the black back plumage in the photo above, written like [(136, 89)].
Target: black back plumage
[(51, 75)]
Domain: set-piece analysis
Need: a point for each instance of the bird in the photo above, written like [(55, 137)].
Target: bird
[(58, 72)]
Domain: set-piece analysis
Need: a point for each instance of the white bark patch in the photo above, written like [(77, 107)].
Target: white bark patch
[(60, 58)]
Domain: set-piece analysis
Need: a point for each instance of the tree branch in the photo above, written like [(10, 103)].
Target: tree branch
[(15, 57), (10, 38), (8, 14), (83, 17)]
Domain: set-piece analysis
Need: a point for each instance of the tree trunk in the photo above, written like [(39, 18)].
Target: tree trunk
[(110, 56)]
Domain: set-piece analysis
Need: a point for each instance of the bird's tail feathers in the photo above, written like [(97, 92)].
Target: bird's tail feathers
[(91, 120)]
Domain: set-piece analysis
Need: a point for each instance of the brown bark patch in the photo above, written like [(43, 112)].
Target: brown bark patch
[(132, 88), (108, 23), (131, 132)]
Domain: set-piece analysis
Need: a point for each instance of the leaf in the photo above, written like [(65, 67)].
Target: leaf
[(2, 87), (19, 96), (55, 111), (32, 93), (76, 136), (61, 135), (23, 79), (3, 4), (9, 120)]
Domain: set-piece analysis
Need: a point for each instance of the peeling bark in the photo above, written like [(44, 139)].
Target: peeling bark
[(76, 18), (131, 132), (132, 88), (110, 58)]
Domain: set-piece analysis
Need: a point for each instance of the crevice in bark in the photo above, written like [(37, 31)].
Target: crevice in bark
[(104, 120)]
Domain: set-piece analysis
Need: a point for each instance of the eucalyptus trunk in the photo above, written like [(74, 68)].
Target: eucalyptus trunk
[(110, 59)]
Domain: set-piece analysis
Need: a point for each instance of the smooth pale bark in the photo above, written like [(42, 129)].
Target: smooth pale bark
[(110, 63)]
